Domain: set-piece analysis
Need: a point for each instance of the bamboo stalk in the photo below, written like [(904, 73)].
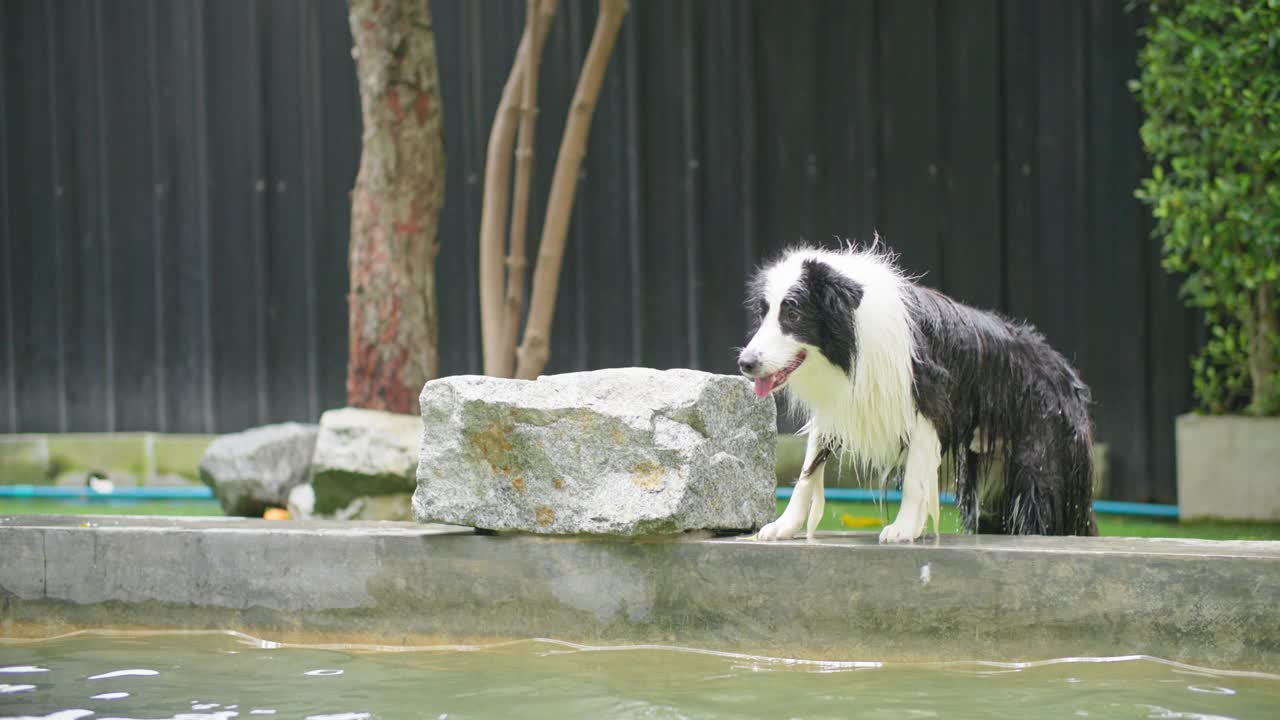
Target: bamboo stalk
[(534, 351), (538, 22), (497, 184)]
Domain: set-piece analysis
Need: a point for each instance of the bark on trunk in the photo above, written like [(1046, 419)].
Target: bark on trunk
[(534, 350), (395, 206)]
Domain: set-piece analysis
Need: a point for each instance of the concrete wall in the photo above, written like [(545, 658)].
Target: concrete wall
[(840, 597)]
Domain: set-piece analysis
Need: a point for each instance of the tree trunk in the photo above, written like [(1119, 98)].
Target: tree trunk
[(1263, 365), (535, 349), (395, 206)]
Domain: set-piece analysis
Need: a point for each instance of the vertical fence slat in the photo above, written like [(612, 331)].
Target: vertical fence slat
[(745, 49), (969, 80), (8, 373), (339, 129), (60, 215), (180, 191), (690, 140), (606, 261), (575, 271), (287, 242), (130, 152), (909, 132), (84, 307), (1019, 201), (203, 194), (663, 247), (785, 78), (1056, 222), (721, 196), (161, 212), (30, 215), (253, 144), (635, 190), (308, 190)]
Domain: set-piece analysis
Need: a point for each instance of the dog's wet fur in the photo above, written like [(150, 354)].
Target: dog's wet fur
[(897, 376)]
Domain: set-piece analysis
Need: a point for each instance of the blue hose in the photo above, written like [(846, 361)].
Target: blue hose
[(1102, 507), (198, 492)]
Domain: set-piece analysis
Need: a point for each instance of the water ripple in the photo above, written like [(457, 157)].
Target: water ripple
[(131, 672)]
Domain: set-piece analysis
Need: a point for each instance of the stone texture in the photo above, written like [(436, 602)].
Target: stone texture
[(628, 451), (1228, 467), (252, 470), (363, 454), (841, 596)]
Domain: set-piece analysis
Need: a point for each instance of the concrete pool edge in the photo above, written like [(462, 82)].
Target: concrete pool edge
[(842, 596)]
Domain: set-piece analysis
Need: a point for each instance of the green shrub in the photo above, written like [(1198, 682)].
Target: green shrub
[(1210, 91)]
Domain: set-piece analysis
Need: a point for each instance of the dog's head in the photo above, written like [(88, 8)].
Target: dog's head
[(804, 310)]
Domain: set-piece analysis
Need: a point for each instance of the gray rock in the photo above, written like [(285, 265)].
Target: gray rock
[(363, 454), (629, 451), (252, 470)]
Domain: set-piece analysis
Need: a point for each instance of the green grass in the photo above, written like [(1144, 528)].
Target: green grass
[(12, 506), (867, 516)]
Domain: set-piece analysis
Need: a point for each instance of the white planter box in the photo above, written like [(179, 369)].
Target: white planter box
[(1228, 467)]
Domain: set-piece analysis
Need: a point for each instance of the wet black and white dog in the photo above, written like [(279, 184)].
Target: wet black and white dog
[(896, 375)]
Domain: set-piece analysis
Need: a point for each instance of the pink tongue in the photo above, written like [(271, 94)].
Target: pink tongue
[(764, 385)]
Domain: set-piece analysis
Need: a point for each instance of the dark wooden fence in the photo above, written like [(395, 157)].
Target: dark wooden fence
[(175, 177)]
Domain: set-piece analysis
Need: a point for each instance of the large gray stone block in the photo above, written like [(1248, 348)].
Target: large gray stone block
[(252, 470), (628, 451), (364, 454)]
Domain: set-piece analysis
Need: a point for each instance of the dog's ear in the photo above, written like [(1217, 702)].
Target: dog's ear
[(835, 297), (838, 295)]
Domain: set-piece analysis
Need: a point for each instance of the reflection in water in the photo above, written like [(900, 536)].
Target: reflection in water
[(135, 672), (157, 675), (6, 689)]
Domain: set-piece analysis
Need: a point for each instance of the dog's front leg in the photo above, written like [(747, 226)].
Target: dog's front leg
[(919, 485), (807, 501)]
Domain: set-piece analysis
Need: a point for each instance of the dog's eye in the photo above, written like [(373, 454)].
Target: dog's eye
[(791, 314)]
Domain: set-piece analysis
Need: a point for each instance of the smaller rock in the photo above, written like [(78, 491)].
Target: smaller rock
[(252, 470), (363, 454)]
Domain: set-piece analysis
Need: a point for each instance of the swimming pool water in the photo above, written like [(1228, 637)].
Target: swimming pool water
[(217, 676)]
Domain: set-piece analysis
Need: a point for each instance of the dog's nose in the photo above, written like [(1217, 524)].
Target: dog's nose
[(749, 363)]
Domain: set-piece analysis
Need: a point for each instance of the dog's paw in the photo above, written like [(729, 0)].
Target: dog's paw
[(779, 529), (900, 532)]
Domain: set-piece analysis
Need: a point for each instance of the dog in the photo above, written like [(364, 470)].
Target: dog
[(896, 376)]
